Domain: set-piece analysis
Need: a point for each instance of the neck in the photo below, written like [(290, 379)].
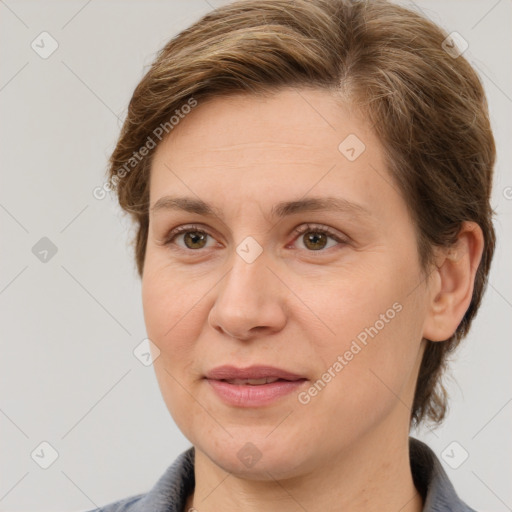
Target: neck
[(372, 475)]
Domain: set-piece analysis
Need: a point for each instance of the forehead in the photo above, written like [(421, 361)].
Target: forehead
[(289, 120), (291, 144)]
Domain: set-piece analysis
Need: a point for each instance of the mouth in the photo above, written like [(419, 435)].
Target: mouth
[(256, 374), (255, 386), (252, 382)]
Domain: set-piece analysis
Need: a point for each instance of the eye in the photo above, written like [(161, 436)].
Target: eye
[(316, 237), (194, 237)]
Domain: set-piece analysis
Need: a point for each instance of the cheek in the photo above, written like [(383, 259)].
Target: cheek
[(371, 383), (379, 365), (356, 303), (375, 328), (173, 308)]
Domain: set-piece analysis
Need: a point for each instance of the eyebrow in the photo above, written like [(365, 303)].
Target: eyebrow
[(280, 210)]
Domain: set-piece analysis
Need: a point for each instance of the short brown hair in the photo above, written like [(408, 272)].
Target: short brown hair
[(427, 107)]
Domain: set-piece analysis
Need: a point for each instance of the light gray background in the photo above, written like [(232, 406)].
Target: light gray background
[(67, 372)]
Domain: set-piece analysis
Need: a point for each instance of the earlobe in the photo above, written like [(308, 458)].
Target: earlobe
[(452, 282)]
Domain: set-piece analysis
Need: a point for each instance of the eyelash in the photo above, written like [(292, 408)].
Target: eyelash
[(169, 240)]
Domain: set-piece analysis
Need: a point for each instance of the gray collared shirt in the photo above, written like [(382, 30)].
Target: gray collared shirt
[(170, 493)]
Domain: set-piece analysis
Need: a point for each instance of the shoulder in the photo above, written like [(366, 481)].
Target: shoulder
[(169, 494)]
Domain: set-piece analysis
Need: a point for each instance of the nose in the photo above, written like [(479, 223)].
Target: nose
[(250, 301)]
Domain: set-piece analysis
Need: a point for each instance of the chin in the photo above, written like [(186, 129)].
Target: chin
[(255, 458)]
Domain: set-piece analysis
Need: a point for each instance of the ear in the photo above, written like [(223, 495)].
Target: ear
[(451, 283)]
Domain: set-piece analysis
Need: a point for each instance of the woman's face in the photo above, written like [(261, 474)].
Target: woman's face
[(344, 312)]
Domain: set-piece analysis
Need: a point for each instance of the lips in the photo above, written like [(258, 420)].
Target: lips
[(256, 386), (255, 375), (252, 382)]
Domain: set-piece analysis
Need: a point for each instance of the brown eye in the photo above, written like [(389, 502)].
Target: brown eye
[(195, 239), (316, 238), (315, 241)]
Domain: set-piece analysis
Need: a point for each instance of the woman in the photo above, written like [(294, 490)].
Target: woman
[(310, 183)]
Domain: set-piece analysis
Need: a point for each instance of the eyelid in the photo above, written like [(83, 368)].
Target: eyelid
[(169, 237), (320, 228)]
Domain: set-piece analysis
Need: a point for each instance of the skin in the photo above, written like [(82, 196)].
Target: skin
[(293, 307)]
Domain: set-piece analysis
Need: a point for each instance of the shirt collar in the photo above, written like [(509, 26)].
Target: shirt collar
[(431, 480)]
